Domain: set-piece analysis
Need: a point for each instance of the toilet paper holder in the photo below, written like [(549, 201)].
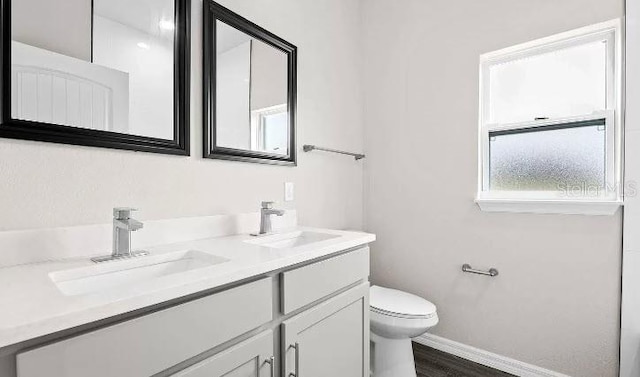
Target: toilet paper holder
[(467, 268)]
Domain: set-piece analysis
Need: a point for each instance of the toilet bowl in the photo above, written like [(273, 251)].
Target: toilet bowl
[(396, 318)]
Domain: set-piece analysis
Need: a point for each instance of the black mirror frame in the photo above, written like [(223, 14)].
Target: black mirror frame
[(212, 13), (48, 132)]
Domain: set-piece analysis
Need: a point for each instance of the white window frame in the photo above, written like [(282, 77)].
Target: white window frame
[(555, 202)]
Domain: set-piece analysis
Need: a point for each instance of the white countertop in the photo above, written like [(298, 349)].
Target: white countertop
[(32, 306)]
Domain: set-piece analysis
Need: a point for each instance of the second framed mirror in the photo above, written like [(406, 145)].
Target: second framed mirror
[(249, 90)]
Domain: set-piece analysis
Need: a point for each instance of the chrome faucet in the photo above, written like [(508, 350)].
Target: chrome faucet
[(265, 217), (123, 225)]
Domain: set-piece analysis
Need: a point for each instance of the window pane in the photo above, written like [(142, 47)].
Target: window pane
[(561, 83), (276, 133), (567, 159)]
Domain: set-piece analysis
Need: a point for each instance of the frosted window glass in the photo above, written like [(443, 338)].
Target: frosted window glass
[(561, 83), (548, 160)]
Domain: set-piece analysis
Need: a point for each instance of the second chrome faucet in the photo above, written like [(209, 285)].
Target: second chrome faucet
[(266, 212)]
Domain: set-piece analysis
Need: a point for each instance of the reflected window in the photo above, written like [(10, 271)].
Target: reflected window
[(270, 129)]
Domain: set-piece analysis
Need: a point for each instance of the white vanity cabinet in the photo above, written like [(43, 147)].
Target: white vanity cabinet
[(307, 320)]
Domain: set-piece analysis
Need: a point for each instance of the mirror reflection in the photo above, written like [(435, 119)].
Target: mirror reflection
[(102, 64), (251, 93)]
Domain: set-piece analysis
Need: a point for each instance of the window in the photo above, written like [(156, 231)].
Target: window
[(270, 129), (550, 126)]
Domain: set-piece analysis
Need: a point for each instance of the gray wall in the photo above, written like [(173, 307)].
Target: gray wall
[(47, 185), (59, 26), (556, 301), (233, 116), (268, 76)]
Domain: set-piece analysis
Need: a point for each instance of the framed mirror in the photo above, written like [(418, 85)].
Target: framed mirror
[(249, 90), (105, 73)]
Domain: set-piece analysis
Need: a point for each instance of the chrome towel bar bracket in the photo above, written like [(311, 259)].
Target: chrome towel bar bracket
[(467, 268), (309, 148)]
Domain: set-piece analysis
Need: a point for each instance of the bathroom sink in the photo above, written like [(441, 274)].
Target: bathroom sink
[(130, 272), (291, 240)]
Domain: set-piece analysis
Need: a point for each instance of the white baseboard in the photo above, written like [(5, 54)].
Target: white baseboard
[(483, 357)]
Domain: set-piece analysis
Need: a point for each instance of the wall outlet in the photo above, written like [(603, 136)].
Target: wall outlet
[(288, 191)]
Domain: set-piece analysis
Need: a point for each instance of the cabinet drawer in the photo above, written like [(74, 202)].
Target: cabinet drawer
[(307, 284), (152, 343), (252, 358)]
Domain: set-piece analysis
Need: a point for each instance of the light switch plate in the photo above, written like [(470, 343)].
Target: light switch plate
[(288, 191)]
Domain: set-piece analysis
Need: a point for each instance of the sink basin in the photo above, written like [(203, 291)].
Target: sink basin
[(291, 240), (129, 272)]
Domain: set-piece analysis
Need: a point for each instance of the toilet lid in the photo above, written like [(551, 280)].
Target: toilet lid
[(399, 303)]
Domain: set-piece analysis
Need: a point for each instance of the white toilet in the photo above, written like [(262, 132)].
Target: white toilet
[(396, 317)]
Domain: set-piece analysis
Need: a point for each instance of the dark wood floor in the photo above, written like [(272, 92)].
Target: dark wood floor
[(434, 363)]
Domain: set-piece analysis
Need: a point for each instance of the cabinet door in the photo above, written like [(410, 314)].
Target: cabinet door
[(251, 358), (332, 339)]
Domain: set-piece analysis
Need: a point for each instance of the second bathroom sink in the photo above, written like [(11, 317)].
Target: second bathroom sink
[(292, 239)]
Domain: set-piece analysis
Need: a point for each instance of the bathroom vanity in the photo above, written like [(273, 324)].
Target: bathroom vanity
[(290, 304)]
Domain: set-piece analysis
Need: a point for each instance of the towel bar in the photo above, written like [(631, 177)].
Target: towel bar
[(309, 148)]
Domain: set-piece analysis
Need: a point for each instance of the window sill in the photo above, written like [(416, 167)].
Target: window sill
[(565, 207)]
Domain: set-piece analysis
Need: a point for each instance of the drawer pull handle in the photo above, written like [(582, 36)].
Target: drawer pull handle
[(272, 365), (296, 370)]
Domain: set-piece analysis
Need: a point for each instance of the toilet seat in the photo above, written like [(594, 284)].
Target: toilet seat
[(398, 304), (401, 315)]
